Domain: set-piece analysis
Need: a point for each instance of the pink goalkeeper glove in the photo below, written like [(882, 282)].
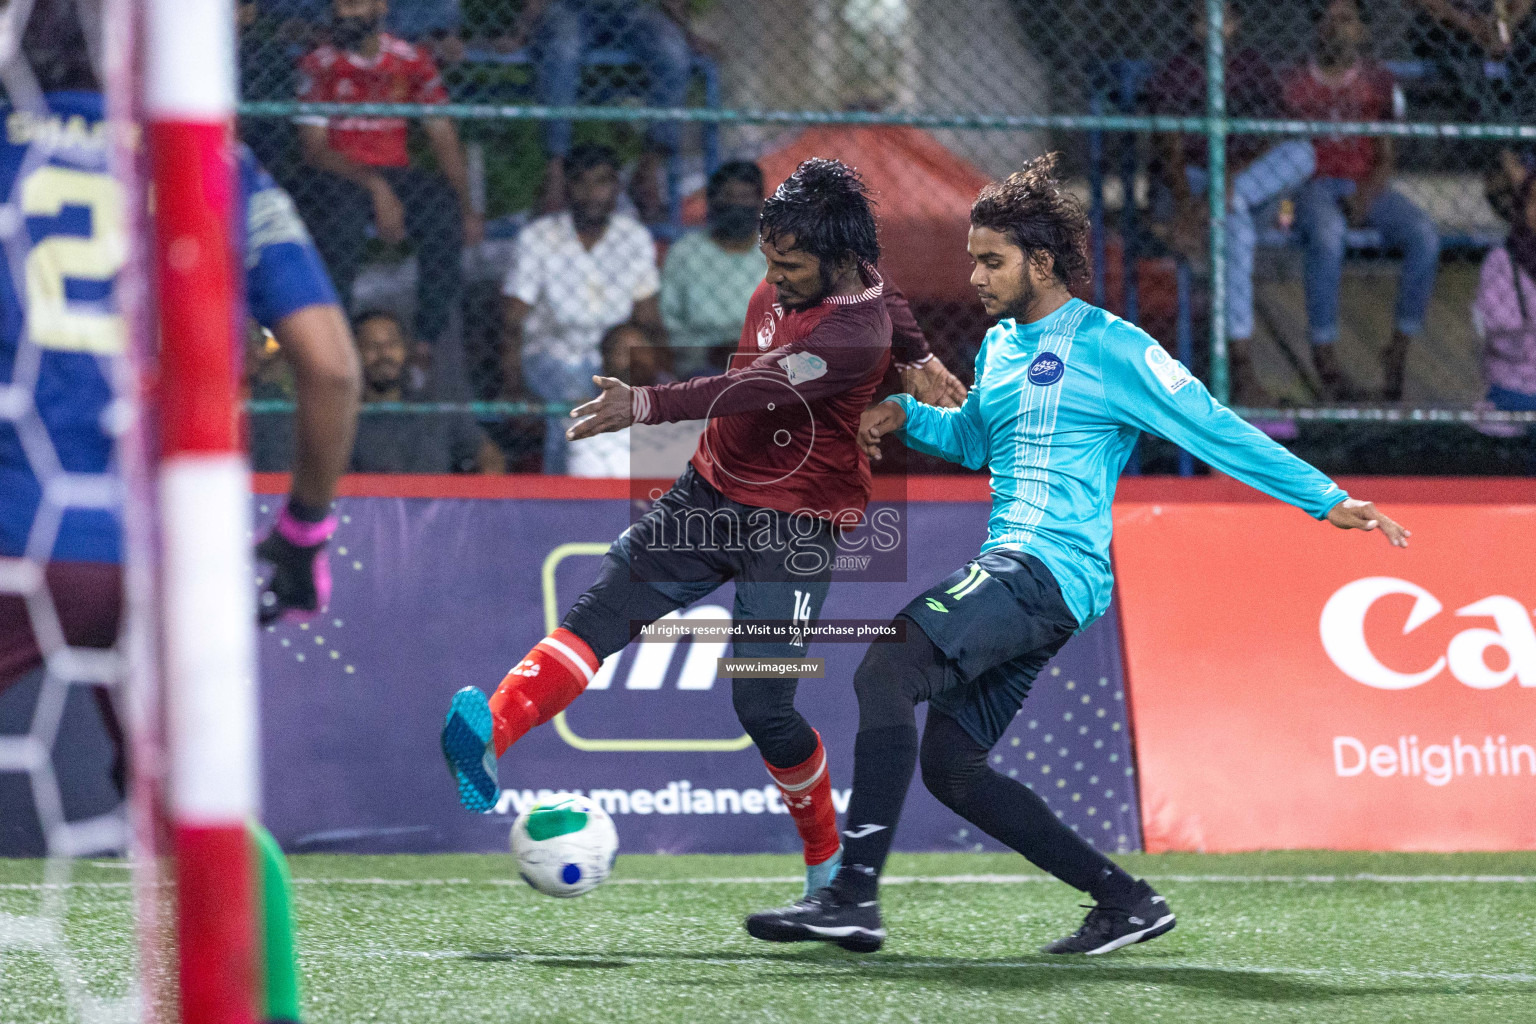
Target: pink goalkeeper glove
[(300, 584)]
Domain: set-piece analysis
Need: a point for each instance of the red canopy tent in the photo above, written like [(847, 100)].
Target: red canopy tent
[(924, 194)]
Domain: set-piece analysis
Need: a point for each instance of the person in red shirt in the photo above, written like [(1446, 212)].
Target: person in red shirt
[(1351, 188), (363, 168), (777, 476)]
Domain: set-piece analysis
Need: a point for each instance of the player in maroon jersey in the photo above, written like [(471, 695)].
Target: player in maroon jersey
[(778, 459)]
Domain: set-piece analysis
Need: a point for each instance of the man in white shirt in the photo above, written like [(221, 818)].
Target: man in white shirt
[(576, 276)]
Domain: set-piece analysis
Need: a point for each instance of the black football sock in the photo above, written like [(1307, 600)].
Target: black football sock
[(955, 770), (1014, 814), (883, 761)]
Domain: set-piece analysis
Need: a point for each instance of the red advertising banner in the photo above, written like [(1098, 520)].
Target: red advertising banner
[(1297, 686)]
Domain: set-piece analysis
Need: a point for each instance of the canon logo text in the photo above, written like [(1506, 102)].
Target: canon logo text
[(1342, 628)]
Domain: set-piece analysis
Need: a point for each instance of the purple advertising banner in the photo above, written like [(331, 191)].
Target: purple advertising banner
[(433, 594)]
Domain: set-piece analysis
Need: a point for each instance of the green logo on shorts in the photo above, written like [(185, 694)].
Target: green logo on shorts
[(968, 585)]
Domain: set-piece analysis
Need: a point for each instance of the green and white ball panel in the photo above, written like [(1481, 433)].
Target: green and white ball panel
[(564, 846)]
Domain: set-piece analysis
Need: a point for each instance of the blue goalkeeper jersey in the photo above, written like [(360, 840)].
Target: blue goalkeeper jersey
[(61, 338), (1055, 411)]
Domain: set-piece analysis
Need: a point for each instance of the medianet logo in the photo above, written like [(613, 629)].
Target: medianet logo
[(1342, 628), (677, 797)]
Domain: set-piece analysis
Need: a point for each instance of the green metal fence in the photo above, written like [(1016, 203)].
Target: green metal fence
[(1073, 97)]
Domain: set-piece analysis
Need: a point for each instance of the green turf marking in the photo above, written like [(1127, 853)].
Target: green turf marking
[(1281, 938)]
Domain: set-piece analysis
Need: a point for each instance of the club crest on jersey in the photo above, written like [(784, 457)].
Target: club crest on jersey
[(1046, 369), (1168, 370), (765, 332)]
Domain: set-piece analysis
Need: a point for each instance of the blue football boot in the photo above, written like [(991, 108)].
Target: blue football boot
[(469, 751)]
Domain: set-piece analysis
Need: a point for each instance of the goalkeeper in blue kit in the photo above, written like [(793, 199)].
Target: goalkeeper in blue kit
[(62, 340), (1062, 391)]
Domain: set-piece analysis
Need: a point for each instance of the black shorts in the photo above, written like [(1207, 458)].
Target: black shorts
[(998, 620), (691, 541)]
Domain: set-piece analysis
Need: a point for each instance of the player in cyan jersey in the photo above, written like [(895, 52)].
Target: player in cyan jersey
[(778, 459), (1062, 391)]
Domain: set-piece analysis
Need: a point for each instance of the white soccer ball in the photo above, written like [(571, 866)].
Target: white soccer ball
[(564, 846)]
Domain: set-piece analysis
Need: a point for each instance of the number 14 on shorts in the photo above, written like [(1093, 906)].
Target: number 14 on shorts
[(800, 621)]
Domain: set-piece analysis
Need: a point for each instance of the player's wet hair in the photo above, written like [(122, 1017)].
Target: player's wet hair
[(744, 171), (1039, 216), (587, 155), (825, 207)]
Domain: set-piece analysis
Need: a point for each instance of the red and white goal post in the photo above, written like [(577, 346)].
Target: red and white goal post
[(172, 96)]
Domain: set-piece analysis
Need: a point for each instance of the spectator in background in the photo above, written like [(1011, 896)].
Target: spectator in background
[(1351, 189), (1504, 310), (575, 276), (1459, 36), (265, 74), (561, 32), (642, 451), (409, 442), (1258, 171), (710, 275), (363, 168)]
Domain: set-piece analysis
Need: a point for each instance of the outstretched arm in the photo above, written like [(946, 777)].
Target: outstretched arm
[(1353, 514), (1146, 388), (958, 435), (835, 356)]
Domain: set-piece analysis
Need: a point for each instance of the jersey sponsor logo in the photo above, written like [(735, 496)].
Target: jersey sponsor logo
[(1512, 639), (1168, 370), (765, 331), (802, 367), (1046, 369)]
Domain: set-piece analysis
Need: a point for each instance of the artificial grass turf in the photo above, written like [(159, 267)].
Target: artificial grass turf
[(1261, 937)]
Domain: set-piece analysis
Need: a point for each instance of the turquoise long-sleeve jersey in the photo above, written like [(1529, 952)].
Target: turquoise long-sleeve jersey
[(1055, 411)]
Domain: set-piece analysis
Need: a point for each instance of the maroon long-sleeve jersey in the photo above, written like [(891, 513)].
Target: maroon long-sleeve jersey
[(909, 346), (784, 420)]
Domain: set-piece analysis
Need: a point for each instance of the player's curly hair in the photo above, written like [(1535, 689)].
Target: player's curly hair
[(825, 207), (1040, 216)]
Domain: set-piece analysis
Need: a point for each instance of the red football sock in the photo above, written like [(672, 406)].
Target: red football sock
[(807, 790), (541, 686)]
